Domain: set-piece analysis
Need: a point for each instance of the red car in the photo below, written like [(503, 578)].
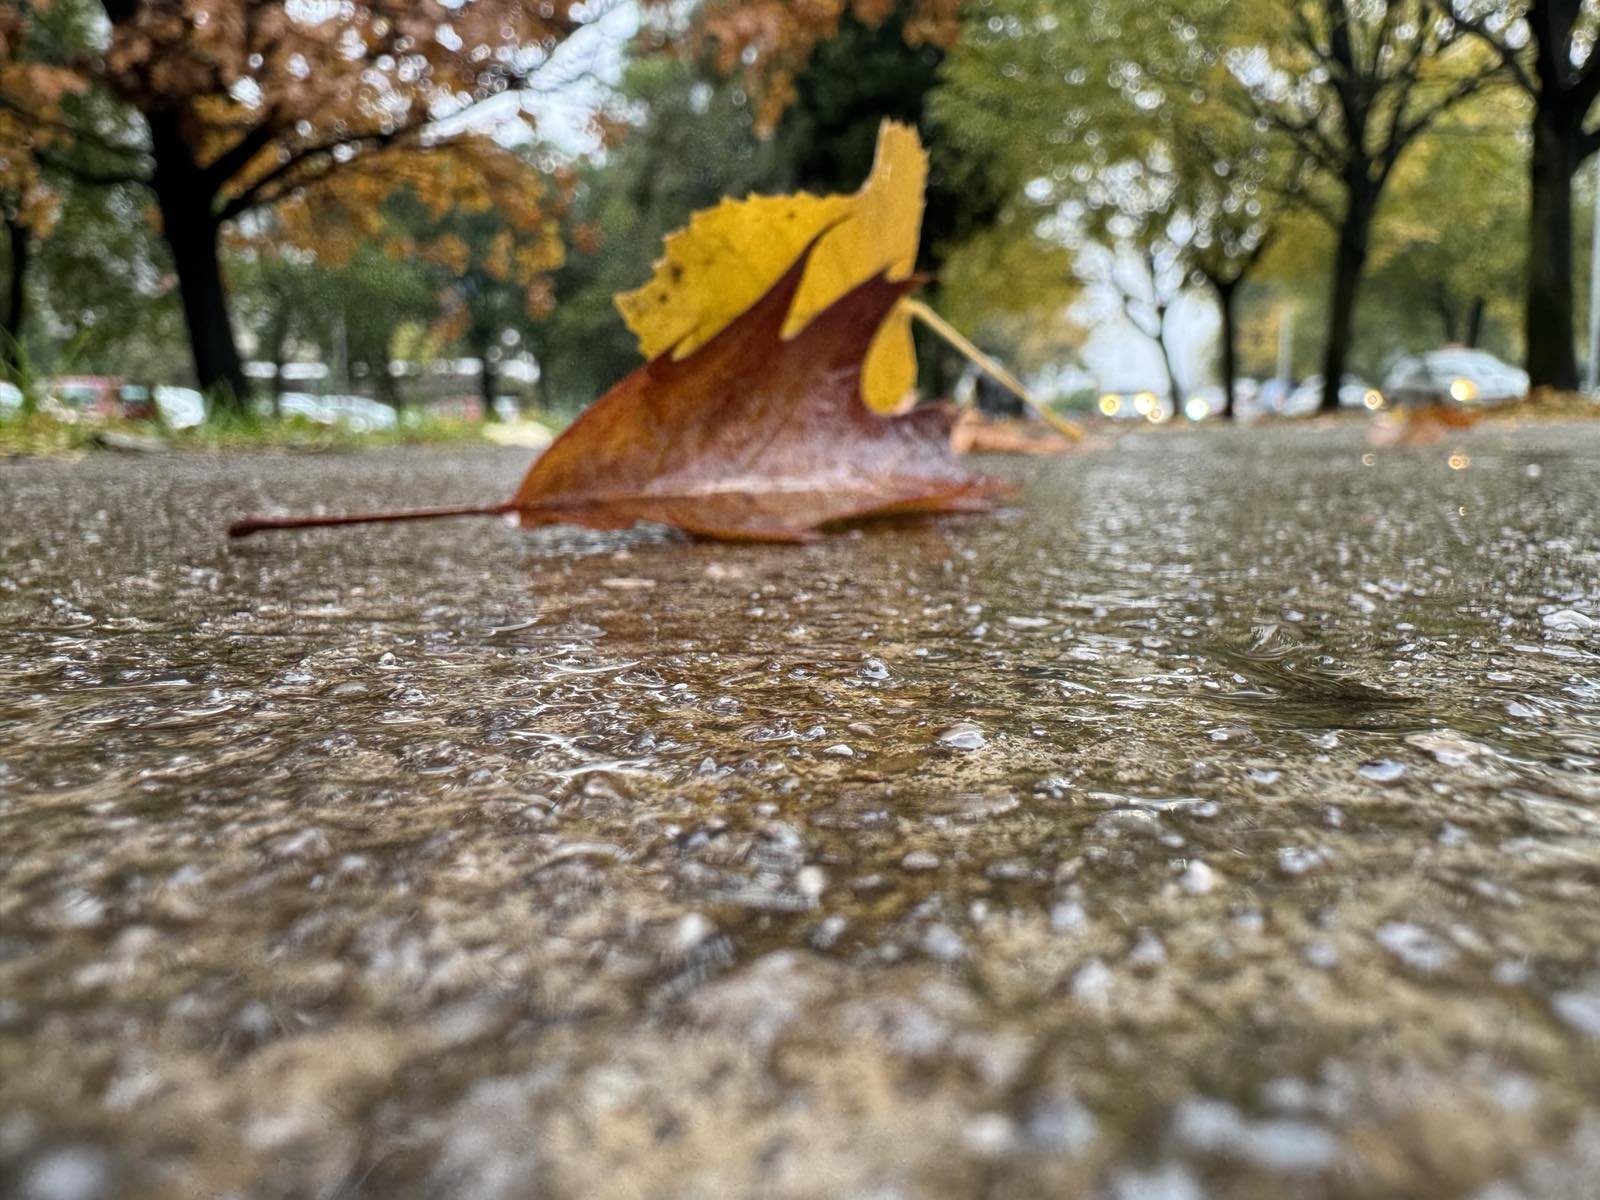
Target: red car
[(101, 398)]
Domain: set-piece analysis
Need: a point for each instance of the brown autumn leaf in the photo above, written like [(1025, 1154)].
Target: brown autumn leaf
[(1421, 426), (976, 433), (751, 437)]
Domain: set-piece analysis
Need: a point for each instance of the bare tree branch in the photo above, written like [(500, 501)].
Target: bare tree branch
[(238, 156)]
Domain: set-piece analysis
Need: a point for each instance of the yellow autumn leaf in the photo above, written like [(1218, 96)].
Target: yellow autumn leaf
[(729, 256)]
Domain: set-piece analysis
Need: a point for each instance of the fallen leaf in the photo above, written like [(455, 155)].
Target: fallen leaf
[(755, 435), (975, 433), (1419, 426), (727, 257)]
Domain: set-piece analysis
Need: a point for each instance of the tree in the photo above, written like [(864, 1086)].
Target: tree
[(239, 104), (102, 293), (1350, 86), (1547, 48), (491, 250), (33, 124), (771, 44), (1147, 277), (1118, 128), (1444, 268)]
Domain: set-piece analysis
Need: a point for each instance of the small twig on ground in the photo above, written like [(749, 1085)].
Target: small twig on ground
[(251, 525), (994, 370)]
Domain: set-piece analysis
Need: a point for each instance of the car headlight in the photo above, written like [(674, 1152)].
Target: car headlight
[(1109, 404), (1196, 409), (1143, 403), (1463, 391), (1373, 399)]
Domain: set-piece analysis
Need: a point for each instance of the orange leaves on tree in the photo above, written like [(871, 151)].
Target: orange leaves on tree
[(769, 42), (470, 180), (32, 122)]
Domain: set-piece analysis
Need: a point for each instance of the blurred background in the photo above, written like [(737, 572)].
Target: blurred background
[(385, 214)]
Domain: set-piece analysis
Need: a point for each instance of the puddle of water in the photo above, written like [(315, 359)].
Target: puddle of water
[(1224, 819)]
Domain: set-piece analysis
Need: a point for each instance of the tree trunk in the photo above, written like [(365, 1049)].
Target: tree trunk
[(19, 243), (1447, 312), (1174, 388), (1552, 359), (386, 385), (488, 377), (1474, 331), (1227, 291), (1350, 259), (192, 233), (277, 347)]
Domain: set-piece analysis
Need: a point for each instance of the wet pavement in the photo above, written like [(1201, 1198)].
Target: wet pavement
[(1223, 821)]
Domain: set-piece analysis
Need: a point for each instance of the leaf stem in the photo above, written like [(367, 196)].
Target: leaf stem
[(249, 525), (994, 370)]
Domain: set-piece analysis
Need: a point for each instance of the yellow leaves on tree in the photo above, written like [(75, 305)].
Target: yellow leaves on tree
[(729, 256), (31, 123), (468, 185)]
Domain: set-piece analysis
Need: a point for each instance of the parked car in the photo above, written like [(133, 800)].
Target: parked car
[(1271, 396), (359, 413), (451, 408), (1454, 374), (10, 399), (298, 404), (135, 403), (180, 408), (98, 398), (1353, 393)]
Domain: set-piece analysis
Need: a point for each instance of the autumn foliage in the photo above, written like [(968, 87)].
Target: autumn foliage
[(769, 42), (242, 105)]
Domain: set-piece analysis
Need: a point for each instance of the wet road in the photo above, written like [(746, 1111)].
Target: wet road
[(1224, 821)]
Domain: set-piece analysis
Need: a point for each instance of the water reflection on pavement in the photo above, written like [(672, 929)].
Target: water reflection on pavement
[(1223, 821)]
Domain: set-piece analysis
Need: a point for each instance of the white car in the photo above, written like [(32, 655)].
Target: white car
[(360, 414), (10, 398), (1353, 393), (1464, 376), (299, 404), (181, 408)]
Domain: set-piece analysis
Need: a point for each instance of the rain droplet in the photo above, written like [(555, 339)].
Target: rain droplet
[(963, 737), (1382, 770)]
